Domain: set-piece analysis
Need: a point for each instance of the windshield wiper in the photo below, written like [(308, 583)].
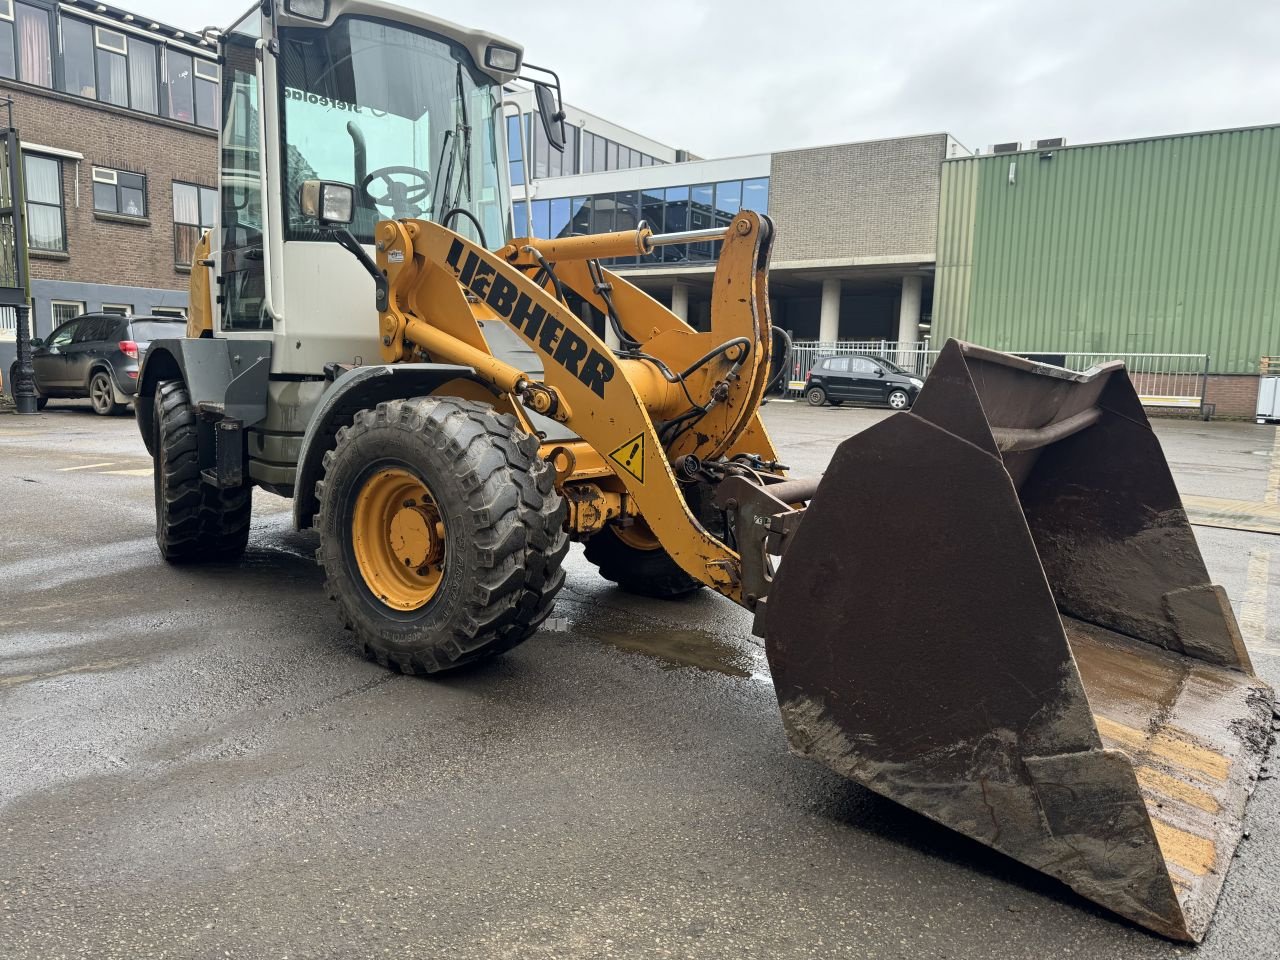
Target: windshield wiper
[(461, 135)]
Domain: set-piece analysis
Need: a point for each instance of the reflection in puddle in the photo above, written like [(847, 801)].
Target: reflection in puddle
[(682, 648)]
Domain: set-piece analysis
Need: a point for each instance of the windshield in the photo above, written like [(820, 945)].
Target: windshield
[(890, 365), (401, 114)]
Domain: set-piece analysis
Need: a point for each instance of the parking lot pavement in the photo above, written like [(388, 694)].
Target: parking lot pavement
[(198, 763)]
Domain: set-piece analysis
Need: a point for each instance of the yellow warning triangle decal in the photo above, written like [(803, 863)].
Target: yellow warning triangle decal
[(630, 456)]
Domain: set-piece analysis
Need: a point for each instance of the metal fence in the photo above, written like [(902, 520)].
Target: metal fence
[(8, 323), (1171, 380)]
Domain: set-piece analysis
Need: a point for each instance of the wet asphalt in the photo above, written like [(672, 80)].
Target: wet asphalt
[(199, 763)]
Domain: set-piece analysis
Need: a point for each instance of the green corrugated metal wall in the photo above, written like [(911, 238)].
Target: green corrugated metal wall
[(1169, 245)]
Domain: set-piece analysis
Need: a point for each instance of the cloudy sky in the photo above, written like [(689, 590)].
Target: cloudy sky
[(723, 77)]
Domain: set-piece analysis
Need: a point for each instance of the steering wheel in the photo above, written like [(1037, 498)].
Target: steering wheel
[(402, 198)]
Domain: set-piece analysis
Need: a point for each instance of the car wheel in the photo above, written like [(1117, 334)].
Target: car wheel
[(816, 396), (899, 400), (41, 399), (102, 394)]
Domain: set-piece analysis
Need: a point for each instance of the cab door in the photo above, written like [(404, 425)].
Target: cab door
[(50, 361), (866, 382), (86, 347), (835, 375)]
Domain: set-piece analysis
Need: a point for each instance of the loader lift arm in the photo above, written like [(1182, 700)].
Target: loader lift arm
[(615, 404)]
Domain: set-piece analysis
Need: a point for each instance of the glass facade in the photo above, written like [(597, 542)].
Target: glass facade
[(666, 210), (584, 152), (48, 48)]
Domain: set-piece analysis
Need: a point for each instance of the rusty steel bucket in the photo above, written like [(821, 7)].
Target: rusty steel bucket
[(995, 612)]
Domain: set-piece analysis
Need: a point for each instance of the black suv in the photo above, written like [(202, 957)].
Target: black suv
[(860, 379), (96, 355)]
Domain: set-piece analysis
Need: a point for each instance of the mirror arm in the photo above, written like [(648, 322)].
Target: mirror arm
[(349, 243)]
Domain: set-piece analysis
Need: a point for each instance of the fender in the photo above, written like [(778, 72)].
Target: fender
[(233, 373), (358, 389)]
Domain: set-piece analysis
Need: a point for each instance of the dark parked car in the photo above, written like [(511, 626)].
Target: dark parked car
[(860, 379), (96, 355)]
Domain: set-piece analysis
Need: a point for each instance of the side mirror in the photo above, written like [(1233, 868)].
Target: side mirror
[(552, 115), (879, 371), (328, 203), (36, 342)]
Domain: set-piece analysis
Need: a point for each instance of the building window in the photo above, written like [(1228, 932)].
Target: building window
[(192, 88), (194, 210), (755, 194), (115, 191), (143, 70), (177, 313), (46, 229), (26, 52), (206, 80), (78, 74), (64, 310), (113, 67), (118, 309), (35, 54)]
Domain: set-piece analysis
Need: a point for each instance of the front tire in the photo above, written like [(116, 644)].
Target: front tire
[(816, 396), (195, 522), (898, 400), (441, 533), (102, 395)]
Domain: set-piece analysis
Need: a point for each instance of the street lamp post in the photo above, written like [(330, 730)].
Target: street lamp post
[(14, 275)]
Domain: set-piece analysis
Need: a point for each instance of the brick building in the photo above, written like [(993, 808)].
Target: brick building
[(118, 119)]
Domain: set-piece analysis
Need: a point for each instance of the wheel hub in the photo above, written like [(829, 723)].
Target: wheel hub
[(398, 537)]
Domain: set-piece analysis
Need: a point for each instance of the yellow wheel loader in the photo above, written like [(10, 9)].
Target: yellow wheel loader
[(1053, 675)]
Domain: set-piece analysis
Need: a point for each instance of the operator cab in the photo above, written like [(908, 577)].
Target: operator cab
[(404, 107)]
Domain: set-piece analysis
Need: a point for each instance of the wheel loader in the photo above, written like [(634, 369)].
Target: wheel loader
[(449, 406)]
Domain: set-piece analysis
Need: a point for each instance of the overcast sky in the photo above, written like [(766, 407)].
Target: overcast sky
[(724, 77)]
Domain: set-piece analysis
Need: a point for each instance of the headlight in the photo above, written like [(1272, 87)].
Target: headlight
[(327, 202), (502, 58), (915, 382)]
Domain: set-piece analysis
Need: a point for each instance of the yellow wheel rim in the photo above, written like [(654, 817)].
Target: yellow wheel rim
[(398, 537), (637, 536)]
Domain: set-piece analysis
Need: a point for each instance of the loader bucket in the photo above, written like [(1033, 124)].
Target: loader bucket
[(995, 612)]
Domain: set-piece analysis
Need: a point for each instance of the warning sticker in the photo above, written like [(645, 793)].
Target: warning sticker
[(630, 456)]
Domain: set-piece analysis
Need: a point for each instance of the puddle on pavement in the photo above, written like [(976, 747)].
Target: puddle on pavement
[(682, 648), (97, 666)]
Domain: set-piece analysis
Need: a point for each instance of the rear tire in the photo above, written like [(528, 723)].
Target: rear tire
[(816, 396), (499, 533), (646, 572), (102, 395), (195, 522)]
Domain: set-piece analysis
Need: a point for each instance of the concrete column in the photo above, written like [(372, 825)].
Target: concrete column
[(909, 309), (680, 300), (829, 319)]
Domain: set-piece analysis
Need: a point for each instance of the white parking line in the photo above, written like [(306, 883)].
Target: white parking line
[(146, 472), (86, 466), (1253, 611)]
